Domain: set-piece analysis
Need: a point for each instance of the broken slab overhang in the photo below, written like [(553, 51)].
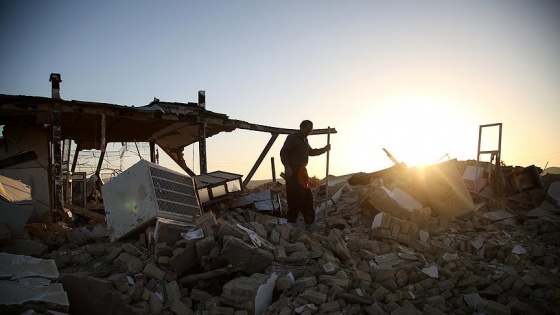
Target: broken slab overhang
[(26, 284), (172, 126)]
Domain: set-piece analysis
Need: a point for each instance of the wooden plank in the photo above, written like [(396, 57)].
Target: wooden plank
[(87, 213)]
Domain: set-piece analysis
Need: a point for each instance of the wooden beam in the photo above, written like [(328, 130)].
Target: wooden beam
[(255, 127), (178, 158), (273, 138), (92, 215)]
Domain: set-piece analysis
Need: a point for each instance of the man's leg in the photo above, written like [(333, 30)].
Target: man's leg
[(306, 207), (291, 195), (295, 195), (308, 211)]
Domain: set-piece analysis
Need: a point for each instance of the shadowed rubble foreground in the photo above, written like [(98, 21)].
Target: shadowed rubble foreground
[(500, 259)]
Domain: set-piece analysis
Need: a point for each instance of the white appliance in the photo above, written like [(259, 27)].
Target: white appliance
[(144, 192), (16, 205)]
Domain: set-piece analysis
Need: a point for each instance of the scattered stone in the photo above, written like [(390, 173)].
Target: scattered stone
[(497, 308), (518, 250), (152, 271), (314, 296), (367, 263), (475, 301), (184, 258), (87, 294), (431, 271), (284, 283), (329, 307), (115, 252), (338, 246), (155, 302), (253, 293), (128, 262), (179, 308), (201, 296)]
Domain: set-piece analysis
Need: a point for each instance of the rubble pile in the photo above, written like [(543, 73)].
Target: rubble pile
[(382, 251)]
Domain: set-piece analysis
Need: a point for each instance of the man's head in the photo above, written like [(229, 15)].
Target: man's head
[(306, 127)]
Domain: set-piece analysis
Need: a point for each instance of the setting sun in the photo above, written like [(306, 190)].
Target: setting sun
[(416, 129), (423, 130)]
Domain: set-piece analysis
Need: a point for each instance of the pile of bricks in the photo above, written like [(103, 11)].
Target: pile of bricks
[(244, 262), (386, 225)]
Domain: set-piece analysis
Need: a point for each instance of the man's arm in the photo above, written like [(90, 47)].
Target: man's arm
[(315, 152)]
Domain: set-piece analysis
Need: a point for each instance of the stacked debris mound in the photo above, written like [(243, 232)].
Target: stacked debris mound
[(385, 250)]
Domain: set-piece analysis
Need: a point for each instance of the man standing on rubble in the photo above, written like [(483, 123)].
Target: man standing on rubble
[(294, 155)]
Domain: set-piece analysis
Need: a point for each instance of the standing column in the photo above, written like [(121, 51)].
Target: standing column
[(57, 161), (202, 132), (58, 200)]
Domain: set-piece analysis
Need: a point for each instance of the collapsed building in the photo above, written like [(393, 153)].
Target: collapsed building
[(38, 133), (458, 237)]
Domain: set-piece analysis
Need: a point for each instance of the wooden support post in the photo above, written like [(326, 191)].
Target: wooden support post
[(327, 197), (75, 160), (273, 170), (103, 144), (177, 156), (390, 156), (260, 159), (100, 162)]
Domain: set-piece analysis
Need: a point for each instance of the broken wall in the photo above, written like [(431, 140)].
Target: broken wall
[(33, 173), (447, 192)]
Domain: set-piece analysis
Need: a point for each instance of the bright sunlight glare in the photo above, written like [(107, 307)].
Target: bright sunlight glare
[(422, 130)]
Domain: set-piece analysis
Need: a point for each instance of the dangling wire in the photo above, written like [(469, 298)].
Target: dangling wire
[(122, 151), (138, 150)]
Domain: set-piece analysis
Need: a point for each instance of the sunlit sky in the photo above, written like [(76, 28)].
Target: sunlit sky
[(414, 77)]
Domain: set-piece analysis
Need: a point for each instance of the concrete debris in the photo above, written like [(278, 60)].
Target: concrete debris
[(431, 271), (387, 201), (169, 231), (554, 193), (520, 179), (545, 211), (447, 192), (388, 251), (193, 234), (518, 250), (261, 200), (475, 301), (29, 284), (474, 178), (253, 293)]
